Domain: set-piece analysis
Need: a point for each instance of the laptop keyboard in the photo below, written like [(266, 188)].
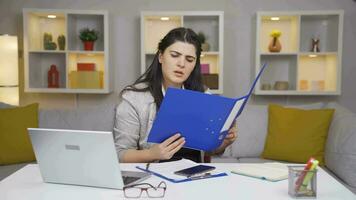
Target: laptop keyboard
[(129, 179)]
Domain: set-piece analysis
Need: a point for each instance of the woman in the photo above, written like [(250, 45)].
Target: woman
[(176, 64)]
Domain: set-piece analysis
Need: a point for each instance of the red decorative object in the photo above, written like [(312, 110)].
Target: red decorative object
[(53, 77), (86, 66), (88, 45)]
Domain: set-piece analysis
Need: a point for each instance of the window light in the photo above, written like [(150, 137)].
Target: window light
[(274, 18)]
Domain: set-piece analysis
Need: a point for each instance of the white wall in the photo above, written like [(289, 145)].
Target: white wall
[(238, 53)]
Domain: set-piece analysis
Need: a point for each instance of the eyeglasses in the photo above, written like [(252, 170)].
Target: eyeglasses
[(135, 191)]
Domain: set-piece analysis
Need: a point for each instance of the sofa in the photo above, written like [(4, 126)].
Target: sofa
[(99, 118), (340, 149)]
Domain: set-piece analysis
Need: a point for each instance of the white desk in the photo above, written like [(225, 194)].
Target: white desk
[(27, 184)]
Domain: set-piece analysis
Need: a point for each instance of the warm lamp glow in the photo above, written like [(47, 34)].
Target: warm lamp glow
[(51, 16), (9, 91), (9, 95), (312, 55), (274, 18), (164, 18)]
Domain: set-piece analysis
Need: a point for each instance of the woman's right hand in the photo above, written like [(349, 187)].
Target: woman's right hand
[(168, 148)]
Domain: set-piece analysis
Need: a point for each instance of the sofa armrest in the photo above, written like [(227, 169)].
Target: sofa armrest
[(340, 149), (352, 189)]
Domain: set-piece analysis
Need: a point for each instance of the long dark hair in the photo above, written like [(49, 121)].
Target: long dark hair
[(153, 75)]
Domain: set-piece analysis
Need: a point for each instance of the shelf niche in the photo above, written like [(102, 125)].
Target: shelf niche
[(156, 27), (209, 25), (39, 24), (324, 28), (282, 68), (76, 22), (318, 73), (288, 25), (40, 63)]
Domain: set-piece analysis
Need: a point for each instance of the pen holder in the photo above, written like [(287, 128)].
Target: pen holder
[(302, 183)]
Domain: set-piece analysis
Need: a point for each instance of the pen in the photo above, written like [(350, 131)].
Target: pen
[(309, 176), (302, 175)]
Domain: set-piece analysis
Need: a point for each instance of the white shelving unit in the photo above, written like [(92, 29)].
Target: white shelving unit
[(307, 72), (67, 23), (154, 28)]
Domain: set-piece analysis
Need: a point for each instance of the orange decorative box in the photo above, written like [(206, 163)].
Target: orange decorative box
[(303, 85), (86, 66)]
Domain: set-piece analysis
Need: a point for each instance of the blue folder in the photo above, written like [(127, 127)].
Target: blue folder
[(202, 119)]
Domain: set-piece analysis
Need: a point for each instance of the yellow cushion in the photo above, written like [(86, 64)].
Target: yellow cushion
[(15, 144), (295, 135)]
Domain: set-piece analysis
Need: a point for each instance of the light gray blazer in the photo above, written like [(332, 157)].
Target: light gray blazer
[(133, 121)]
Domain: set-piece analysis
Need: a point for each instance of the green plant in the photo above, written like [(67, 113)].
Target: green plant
[(47, 42), (87, 34), (47, 37), (201, 37), (50, 46), (61, 42)]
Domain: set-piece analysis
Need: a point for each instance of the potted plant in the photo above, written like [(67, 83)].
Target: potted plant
[(61, 42), (48, 44), (88, 36), (204, 45)]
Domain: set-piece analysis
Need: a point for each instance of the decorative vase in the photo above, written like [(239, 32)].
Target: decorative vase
[(205, 46), (53, 77), (315, 45), (275, 45), (88, 45), (281, 85), (266, 86), (61, 42)]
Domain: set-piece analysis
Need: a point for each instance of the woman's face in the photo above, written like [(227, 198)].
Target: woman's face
[(178, 61)]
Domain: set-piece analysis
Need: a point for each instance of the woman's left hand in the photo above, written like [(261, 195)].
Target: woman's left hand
[(229, 139)]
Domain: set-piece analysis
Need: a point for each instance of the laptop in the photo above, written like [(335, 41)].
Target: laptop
[(78, 157)]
